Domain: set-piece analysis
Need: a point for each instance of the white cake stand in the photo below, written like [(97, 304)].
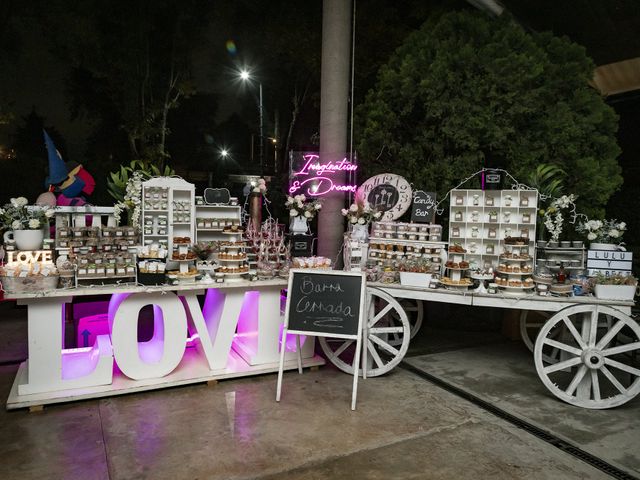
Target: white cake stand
[(481, 278)]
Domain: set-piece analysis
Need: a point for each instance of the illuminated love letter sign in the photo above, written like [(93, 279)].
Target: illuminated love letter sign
[(160, 355)]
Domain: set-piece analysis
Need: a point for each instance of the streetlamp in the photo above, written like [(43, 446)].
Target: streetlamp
[(223, 154), (246, 76)]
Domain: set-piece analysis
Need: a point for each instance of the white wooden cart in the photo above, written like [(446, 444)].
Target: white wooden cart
[(586, 350)]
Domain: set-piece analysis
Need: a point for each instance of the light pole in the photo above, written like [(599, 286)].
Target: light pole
[(245, 76)]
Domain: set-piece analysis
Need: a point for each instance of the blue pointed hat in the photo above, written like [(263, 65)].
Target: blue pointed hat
[(57, 170)]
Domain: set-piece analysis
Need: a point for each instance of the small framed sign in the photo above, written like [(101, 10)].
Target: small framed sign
[(216, 196), (326, 303), (423, 207)]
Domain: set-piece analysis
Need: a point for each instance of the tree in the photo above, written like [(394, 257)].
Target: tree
[(467, 91), (131, 64), (26, 172)]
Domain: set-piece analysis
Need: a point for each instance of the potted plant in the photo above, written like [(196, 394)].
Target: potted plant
[(614, 287), (415, 272), (603, 234), (493, 216), (24, 224), (301, 211)]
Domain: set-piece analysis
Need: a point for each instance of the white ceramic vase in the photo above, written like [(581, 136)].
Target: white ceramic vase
[(360, 233), (299, 225), (25, 239)]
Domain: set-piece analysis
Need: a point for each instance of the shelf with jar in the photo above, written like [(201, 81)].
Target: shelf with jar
[(571, 259), (217, 222), (167, 210), (104, 268), (421, 232), (482, 220), (390, 252)]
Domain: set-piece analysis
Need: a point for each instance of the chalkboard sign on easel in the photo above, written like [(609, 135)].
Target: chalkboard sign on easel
[(423, 207), (327, 303)]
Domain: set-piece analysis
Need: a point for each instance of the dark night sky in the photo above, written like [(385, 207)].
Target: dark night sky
[(606, 27), (37, 79)]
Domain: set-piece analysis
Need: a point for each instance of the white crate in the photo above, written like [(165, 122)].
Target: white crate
[(413, 279)]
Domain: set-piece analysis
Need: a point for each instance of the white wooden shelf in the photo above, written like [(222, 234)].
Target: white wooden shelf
[(475, 229)]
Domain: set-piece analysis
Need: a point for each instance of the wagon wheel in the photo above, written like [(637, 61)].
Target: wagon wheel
[(378, 329), (531, 321), (591, 373), (415, 313)]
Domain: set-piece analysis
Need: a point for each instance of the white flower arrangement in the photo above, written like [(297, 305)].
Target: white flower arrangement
[(15, 215), (361, 213), (552, 217), (260, 187), (301, 206), (603, 231), (132, 199)]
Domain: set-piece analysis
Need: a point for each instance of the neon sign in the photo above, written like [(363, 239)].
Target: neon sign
[(314, 178)]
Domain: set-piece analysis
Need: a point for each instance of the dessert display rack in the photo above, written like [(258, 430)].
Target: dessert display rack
[(481, 220), (456, 268), (515, 270), (233, 260)]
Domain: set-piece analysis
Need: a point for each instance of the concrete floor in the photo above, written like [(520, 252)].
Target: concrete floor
[(404, 428), (504, 375)]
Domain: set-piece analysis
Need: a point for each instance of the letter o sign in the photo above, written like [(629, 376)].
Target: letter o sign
[(124, 336)]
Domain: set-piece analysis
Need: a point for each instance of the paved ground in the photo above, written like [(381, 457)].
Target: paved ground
[(504, 375), (404, 427)]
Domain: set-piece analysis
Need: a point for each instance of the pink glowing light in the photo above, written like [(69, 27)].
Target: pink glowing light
[(314, 166), (291, 340), (316, 178)]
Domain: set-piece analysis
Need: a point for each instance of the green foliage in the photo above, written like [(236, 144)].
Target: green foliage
[(131, 65), (547, 179), (117, 181), (617, 279), (467, 91)]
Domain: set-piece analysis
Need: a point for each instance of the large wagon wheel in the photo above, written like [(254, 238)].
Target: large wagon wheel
[(377, 337), (531, 321), (415, 314), (591, 372)]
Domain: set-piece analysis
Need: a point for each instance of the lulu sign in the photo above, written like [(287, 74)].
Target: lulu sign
[(609, 262), (314, 178)]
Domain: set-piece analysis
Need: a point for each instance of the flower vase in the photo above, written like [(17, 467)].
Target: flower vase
[(299, 225), (360, 233), (25, 239)]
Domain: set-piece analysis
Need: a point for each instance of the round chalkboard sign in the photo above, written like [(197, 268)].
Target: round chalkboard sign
[(387, 193)]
